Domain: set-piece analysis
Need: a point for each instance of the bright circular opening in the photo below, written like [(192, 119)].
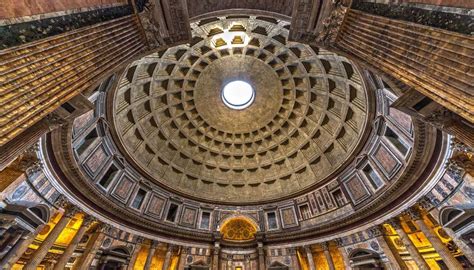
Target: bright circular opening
[(238, 95)]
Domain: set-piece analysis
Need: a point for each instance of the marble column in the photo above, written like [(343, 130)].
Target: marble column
[(294, 259), (74, 242), (414, 253), (167, 262), (261, 256), (50, 239), (92, 246), (327, 254), (442, 250), (215, 256), (343, 252), (10, 240), (466, 250), (151, 254), (309, 255), (395, 261), (136, 251), (19, 248), (182, 257)]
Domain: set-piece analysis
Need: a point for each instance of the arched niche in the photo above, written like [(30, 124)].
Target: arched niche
[(238, 228)]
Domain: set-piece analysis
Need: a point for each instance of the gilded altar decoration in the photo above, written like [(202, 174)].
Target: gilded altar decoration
[(238, 229)]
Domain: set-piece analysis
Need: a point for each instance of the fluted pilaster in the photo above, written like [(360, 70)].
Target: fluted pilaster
[(414, 253), (442, 250), (50, 239), (93, 245), (309, 255), (343, 252), (167, 262), (136, 250), (327, 254), (395, 261), (75, 241), (151, 253)]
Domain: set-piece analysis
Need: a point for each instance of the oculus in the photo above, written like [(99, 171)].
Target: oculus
[(238, 95)]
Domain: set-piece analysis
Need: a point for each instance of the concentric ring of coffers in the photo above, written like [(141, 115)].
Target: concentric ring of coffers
[(307, 117)]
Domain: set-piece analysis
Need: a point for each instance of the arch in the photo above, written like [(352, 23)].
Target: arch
[(364, 259), (238, 228), (42, 211), (120, 250), (276, 265), (227, 219), (448, 214), (358, 252)]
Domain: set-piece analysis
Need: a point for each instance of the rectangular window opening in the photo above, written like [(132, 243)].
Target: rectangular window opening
[(139, 198), (373, 177), (205, 220), (88, 140), (272, 222), (108, 177), (172, 211), (396, 141)]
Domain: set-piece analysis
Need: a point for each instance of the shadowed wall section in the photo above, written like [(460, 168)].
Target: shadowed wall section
[(433, 61), (40, 76)]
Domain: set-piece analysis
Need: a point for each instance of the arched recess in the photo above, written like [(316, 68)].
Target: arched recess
[(278, 266), (29, 215), (449, 214), (238, 228), (198, 265), (115, 258), (365, 259)]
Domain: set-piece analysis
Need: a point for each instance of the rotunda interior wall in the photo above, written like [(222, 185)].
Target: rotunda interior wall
[(337, 199)]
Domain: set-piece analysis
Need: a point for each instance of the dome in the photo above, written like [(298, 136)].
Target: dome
[(305, 120)]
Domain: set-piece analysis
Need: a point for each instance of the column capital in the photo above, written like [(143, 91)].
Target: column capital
[(325, 245), (139, 240), (154, 244), (414, 213), (293, 250), (307, 248), (395, 222), (71, 210), (88, 220), (339, 242), (375, 231), (425, 203)]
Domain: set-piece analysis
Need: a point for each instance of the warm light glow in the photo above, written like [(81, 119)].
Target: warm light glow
[(238, 95), (230, 38), (238, 229)]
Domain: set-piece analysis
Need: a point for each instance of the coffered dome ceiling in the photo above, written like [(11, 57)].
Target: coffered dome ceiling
[(308, 115)]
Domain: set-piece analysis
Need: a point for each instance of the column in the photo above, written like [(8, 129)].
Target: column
[(327, 254), (342, 250), (247, 262), (442, 250), (12, 240), (394, 259), (309, 255), (50, 239), (136, 251), (294, 259), (215, 256), (18, 249), (169, 252), (468, 253), (151, 254), (93, 245), (182, 257), (420, 262), (75, 241), (261, 256)]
